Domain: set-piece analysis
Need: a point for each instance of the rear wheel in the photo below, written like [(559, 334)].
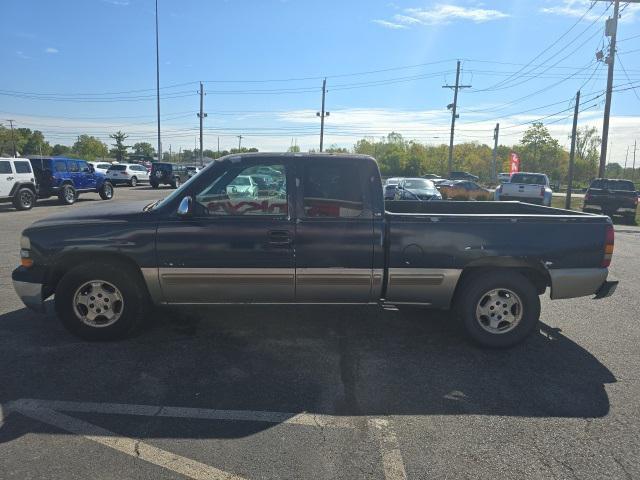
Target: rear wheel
[(24, 199), (101, 301), (630, 219), (133, 182), (498, 309), (176, 182), (106, 191), (154, 184), (68, 194)]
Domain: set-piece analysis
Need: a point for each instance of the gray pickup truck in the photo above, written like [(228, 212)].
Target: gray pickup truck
[(317, 232)]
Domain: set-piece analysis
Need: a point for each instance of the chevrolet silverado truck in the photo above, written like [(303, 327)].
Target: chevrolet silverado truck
[(526, 187), (319, 234), (612, 197)]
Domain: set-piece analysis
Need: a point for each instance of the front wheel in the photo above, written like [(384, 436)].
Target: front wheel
[(106, 191), (24, 199), (68, 195), (498, 309), (101, 301)]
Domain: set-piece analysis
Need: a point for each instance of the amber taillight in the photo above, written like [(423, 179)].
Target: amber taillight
[(608, 246)]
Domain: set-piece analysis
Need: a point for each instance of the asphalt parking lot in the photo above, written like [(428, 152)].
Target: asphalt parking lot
[(319, 393)]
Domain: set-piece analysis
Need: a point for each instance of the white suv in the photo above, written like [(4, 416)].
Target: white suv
[(17, 183), (129, 173)]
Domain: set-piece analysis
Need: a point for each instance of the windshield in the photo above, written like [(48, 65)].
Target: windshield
[(528, 179), (419, 184)]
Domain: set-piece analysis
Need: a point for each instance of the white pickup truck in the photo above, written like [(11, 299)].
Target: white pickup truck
[(526, 187)]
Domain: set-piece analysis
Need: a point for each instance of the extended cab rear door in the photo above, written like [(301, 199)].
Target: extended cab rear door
[(334, 231)]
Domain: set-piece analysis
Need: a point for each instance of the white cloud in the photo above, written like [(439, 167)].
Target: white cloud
[(441, 14), (578, 8), (391, 25), (120, 3), (21, 54), (51, 50)]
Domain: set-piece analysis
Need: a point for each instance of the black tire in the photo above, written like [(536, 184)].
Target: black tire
[(176, 182), (474, 293), (24, 199), (154, 185), (106, 191), (133, 307), (630, 219), (133, 182), (68, 194)]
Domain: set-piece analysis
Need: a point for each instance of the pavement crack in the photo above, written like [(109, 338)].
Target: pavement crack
[(136, 448)]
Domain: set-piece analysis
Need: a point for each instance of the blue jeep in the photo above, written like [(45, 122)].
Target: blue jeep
[(66, 178)]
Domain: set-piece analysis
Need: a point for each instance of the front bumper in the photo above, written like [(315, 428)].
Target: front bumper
[(29, 285)]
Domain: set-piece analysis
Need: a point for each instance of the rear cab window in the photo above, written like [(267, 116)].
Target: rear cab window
[(334, 188), (528, 179), (620, 185)]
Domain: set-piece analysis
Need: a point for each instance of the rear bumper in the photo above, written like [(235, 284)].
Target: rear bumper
[(534, 200), (608, 210), (581, 282), (29, 286)]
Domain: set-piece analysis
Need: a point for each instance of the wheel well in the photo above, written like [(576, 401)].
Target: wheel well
[(18, 186), (71, 260), (536, 274)]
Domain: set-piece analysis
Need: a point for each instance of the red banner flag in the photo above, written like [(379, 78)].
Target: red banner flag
[(515, 163)]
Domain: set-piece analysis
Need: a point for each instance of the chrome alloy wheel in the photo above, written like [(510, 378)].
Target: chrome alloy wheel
[(499, 311), (98, 303), (26, 199), (69, 195)]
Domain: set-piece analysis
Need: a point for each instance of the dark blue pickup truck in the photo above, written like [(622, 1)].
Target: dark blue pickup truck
[(317, 232)]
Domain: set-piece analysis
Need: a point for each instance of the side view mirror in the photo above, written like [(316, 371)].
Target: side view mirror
[(186, 207)]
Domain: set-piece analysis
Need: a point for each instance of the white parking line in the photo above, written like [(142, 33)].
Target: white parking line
[(48, 411), (306, 419), (392, 462), (176, 463)]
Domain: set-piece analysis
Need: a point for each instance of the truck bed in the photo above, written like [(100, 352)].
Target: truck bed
[(431, 243), (478, 208)]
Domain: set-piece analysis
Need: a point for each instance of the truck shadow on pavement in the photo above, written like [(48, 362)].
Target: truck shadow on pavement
[(340, 361)]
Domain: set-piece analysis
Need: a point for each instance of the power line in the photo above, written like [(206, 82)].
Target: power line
[(492, 87)]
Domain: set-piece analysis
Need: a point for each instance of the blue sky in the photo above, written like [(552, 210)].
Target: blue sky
[(263, 61)]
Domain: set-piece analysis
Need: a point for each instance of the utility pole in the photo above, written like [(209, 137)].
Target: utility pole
[(572, 154), (239, 142), (611, 31), (633, 169), (496, 132), (201, 116), (454, 107), (322, 113), (218, 145), (13, 138), (158, 85)]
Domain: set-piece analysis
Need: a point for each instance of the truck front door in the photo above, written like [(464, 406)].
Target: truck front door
[(238, 244), (334, 232)]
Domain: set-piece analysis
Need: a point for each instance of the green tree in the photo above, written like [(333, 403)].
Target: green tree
[(587, 154), (89, 148), (36, 144), (336, 149), (60, 150), (143, 148), (293, 149), (119, 150), (540, 152)]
